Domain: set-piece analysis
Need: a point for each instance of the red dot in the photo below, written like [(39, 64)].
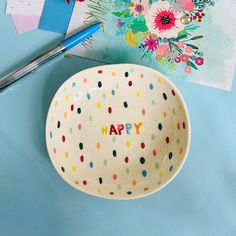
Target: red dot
[(183, 125), (82, 158), (109, 110), (84, 182), (199, 20), (142, 145), (126, 159), (167, 139), (130, 83), (54, 150), (76, 182), (114, 177), (178, 125), (63, 138), (203, 14), (145, 189), (154, 152), (141, 75), (100, 72), (79, 126), (72, 107), (173, 92), (111, 193)]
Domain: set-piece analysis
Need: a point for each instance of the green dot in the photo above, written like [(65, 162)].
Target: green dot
[(127, 170), (113, 139), (177, 140), (153, 102), (158, 182), (105, 162), (50, 134), (152, 136), (90, 118), (157, 165), (173, 111), (119, 187), (71, 130)]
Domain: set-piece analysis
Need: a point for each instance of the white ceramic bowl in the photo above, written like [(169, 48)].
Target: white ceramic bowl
[(118, 131)]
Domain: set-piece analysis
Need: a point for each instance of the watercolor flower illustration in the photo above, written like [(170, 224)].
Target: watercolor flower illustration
[(164, 30)]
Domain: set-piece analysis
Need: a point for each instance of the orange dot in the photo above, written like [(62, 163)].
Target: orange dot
[(98, 145), (113, 73), (181, 150), (66, 154), (164, 114), (134, 182), (65, 114)]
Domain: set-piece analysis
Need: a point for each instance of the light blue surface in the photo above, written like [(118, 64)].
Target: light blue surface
[(34, 200), (56, 16)]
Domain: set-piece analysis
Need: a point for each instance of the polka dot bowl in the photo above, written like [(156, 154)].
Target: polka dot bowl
[(118, 131)]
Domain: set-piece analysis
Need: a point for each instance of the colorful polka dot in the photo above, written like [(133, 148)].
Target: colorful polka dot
[(63, 138), (126, 159), (119, 187), (177, 140), (143, 112), (63, 169), (153, 102), (170, 168), (138, 93), (130, 83), (99, 71), (71, 130), (54, 150), (114, 153), (111, 193), (164, 114), (157, 165), (128, 144), (113, 92), (105, 162), (154, 152), (145, 189), (161, 174), (79, 110), (152, 136), (104, 96), (88, 96), (142, 160), (114, 177), (98, 105), (73, 168), (66, 154), (173, 111), (82, 158), (72, 107), (170, 155), (164, 96), (79, 126), (129, 192), (90, 118), (181, 151), (67, 97), (142, 145), (99, 84), (98, 145), (126, 74), (65, 114), (167, 139), (100, 180), (178, 125), (127, 170), (134, 182), (91, 164), (173, 92), (58, 124), (81, 146), (84, 182), (125, 104), (151, 86), (50, 135), (183, 125), (73, 84), (144, 173), (141, 76), (85, 80), (109, 110), (113, 73), (113, 139), (160, 126)]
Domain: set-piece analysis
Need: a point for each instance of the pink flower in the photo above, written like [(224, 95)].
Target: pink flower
[(187, 5), (187, 69), (139, 7), (151, 44), (188, 49), (199, 61), (180, 44), (184, 58), (162, 50)]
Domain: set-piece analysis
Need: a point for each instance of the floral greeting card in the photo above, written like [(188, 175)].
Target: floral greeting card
[(193, 40)]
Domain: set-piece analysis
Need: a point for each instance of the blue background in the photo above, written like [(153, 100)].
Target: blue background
[(34, 200)]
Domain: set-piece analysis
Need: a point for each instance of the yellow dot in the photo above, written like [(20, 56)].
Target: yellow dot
[(98, 145), (98, 105), (137, 93), (180, 108), (56, 103), (99, 190), (131, 4), (65, 114), (66, 154), (113, 73), (160, 80), (161, 174), (128, 144), (164, 114), (73, 168), (67, 97), (134, 182)]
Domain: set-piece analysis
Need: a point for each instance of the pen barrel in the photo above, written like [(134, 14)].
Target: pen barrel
[(31, 66)]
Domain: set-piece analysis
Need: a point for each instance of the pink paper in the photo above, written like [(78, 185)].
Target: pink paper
[(25, 23)]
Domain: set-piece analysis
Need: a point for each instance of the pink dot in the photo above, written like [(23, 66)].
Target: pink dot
[(79, 126), (109, 110), (54, 150), (84, 182), (85, 80), (143, 112), (72, 107), (178, 125), (114, 177), (63, 138), (141, 75), (145, 189), (130, 83), (82, 158), (142, 145), (154, 152), (100, 72), (76, 182), (126, 159)]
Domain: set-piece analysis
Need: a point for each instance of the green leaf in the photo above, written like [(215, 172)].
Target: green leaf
[(182, 36), (124, 13), (138, 24), (189, 63), (192, 46), (196, 37)]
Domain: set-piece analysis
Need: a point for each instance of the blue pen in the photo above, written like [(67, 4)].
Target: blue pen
[(52, 53)]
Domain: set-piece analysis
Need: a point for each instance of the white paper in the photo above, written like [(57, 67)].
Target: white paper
[(25, 7)]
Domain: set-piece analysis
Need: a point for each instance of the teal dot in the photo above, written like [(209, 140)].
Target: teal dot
[(113, 92), (91, 164), (105, 162), (151, 86), (88, 96), (144, 173), (113, 139), (50, 134), (171, 168), (73, 84)]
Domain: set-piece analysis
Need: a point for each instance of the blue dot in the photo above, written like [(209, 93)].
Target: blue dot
[(50, 134), (88, 96), (151, 86), (144, 173), (91, 164), (113, 92), (73, 84)]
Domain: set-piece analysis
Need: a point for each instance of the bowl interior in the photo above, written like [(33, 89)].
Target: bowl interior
[(117, 131)]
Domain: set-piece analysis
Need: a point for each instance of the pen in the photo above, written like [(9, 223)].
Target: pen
[(45, 57)]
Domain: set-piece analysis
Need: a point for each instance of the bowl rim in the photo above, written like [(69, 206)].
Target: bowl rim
[(188, 132)]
